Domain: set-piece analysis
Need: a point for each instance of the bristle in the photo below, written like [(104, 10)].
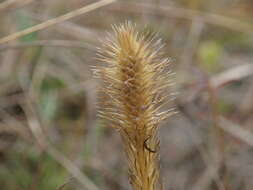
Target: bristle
[(135, 83)]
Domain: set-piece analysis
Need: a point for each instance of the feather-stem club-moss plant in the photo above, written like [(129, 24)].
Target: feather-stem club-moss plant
[(135, 88)]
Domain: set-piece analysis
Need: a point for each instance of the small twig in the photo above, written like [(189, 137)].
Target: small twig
[(56, 20)]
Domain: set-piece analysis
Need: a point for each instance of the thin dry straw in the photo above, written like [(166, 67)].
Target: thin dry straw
[(49, 43), (189, 14), (56, 20), (6, 4)]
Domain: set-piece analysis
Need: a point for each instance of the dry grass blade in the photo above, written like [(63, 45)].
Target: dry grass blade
[(49, 43), (76, 31), (5, 5), (236, 131), (56, 20), (183, 13), (233, 74)]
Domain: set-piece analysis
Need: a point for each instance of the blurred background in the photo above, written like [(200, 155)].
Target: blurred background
[(50, 136)]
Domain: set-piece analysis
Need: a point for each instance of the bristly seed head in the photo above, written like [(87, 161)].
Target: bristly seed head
[(135, 87)]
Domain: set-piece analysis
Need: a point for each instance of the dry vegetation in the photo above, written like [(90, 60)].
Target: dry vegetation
[(50, 136)]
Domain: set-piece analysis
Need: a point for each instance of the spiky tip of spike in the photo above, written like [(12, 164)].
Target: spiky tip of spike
[(135, 86)]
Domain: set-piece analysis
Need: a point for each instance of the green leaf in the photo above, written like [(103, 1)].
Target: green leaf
[(51, 83), (48, 105), (209, 54)]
